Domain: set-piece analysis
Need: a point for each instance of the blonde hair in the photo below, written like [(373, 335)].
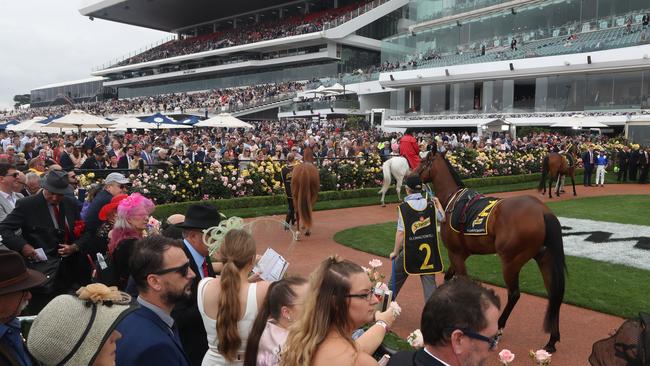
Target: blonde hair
[(326, 308), (237, 252)]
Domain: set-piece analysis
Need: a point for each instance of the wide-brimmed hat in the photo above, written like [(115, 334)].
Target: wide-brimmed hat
[(111, 206), (414, 182), (71, 330), (14, 274), (56, 182), (200, 217)]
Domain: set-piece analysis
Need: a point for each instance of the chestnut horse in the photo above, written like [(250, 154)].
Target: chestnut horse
[(555, 167), (520, 228), (305, 184)]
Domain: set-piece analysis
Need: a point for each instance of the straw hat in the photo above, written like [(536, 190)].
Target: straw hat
[(71, 330)]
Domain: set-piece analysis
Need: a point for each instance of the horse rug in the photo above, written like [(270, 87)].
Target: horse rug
[(471, 211)]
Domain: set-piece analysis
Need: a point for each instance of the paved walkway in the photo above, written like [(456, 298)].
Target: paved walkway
[(580, 328)]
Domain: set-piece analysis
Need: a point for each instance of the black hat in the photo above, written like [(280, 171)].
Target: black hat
[(200, 217), (56, 182), (414, 182), (14, 275)]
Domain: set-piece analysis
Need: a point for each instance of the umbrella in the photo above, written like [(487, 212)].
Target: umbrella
[(578, 121), (190, 120), (80, 119), (162, 121), (34, 124), (124, 123), (224, 120)]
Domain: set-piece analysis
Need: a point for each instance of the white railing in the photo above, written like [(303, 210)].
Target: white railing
[(353, 14)]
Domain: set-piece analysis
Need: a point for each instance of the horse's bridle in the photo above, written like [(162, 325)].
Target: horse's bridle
[(422, 167)]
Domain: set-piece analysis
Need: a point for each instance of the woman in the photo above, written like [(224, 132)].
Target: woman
[(79, 330), (112, 161), (245, 159), (130, 225), (107, 216), (282, 306), (341, 301), (228, 304), (76, 157)]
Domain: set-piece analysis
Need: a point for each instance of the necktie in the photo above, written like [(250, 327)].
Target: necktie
[(61, 220), (204, 268)]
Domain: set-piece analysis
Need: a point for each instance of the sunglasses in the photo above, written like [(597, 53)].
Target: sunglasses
[(181, 270), (15, 175), (492, 342)]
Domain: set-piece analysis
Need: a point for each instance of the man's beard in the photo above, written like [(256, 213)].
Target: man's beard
[(173, 297)]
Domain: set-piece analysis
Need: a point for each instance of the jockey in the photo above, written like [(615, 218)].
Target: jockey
[(408, 148)]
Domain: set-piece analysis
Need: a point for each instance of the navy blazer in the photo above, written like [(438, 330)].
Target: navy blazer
[(147, 340)]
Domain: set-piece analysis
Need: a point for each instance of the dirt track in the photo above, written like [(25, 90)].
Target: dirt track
[(580, 327)]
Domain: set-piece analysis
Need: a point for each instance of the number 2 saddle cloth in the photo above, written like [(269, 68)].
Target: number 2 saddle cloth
[(470, 212)]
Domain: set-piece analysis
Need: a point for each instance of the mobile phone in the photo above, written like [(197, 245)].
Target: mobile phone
[(383, 361)]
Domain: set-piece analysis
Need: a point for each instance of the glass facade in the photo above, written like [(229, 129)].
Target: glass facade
[(627, 90), (494, 31), (76, 92), (255, 77)]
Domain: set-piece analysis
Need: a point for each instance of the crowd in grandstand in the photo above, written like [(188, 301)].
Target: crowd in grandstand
[(251, 33), (216, 100)]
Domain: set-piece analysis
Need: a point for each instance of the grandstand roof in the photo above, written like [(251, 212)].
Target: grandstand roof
[(170, 15), (71, 82)]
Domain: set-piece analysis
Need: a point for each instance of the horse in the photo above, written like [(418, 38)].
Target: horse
[(396, 167), (519, 229), (555, 167), (305, 184)]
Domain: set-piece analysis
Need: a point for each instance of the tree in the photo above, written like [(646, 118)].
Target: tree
[(21, 99)]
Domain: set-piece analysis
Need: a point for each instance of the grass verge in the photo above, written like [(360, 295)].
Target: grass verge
[(610, 288)]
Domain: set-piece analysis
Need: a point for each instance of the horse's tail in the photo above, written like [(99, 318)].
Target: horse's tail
[(387, 177), (305, 186), (555, 247), (545, 169)]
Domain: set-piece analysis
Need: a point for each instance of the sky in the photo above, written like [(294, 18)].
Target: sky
[(48, 41)]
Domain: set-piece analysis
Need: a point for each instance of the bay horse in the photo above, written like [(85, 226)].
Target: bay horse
[(555, 167), (305, 184), (519, 229), (396, 167)]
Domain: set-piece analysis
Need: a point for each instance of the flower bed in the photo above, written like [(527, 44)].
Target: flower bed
[(198, 182)]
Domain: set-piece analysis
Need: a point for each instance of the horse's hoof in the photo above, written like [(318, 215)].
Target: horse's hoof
[(383, 204), (307, 233), (550, 348)]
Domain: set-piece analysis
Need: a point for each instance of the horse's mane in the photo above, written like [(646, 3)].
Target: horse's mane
[(454, 174)]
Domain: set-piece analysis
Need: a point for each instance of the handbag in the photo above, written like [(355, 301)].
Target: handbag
[(50, 268)]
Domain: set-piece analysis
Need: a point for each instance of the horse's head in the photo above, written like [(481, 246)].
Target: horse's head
[(429, 166)]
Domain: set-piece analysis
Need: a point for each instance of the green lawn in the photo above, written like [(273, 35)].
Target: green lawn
[(609, 288)]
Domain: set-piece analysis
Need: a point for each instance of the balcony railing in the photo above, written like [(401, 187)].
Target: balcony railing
[(353, 14), (318, 105)]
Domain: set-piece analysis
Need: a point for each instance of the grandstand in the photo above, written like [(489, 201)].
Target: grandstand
[(405, 62)]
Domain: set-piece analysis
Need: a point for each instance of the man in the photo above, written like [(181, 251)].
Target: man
[(415, 208), (114, 184), (601, 166), (408, 148), (15, 282), (196, 155), (32, 184), (146, 154), (95, 162), (644, 163), (46, 221), (163, 276), (125, 160), (20, 182), (65, 160), (186, 313), (287, 173), (459, 327), (8, 198), (633, 163), (588, 161), (623, 158)]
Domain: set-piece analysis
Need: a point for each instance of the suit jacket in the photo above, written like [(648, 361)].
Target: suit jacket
[(147, 157), (147, 340), (198, 157), (586, 161), (123, 162), (66, 162), (32, 216), (91, 163), (6, 207), (92, 214), (186, 314), (417, 358)]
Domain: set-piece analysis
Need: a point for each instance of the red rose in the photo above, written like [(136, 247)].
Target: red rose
[(79, 227)]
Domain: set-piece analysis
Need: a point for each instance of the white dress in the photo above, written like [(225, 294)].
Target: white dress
[(213, 357)]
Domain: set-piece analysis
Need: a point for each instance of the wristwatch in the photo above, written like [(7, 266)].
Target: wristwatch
[(383, 324)]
